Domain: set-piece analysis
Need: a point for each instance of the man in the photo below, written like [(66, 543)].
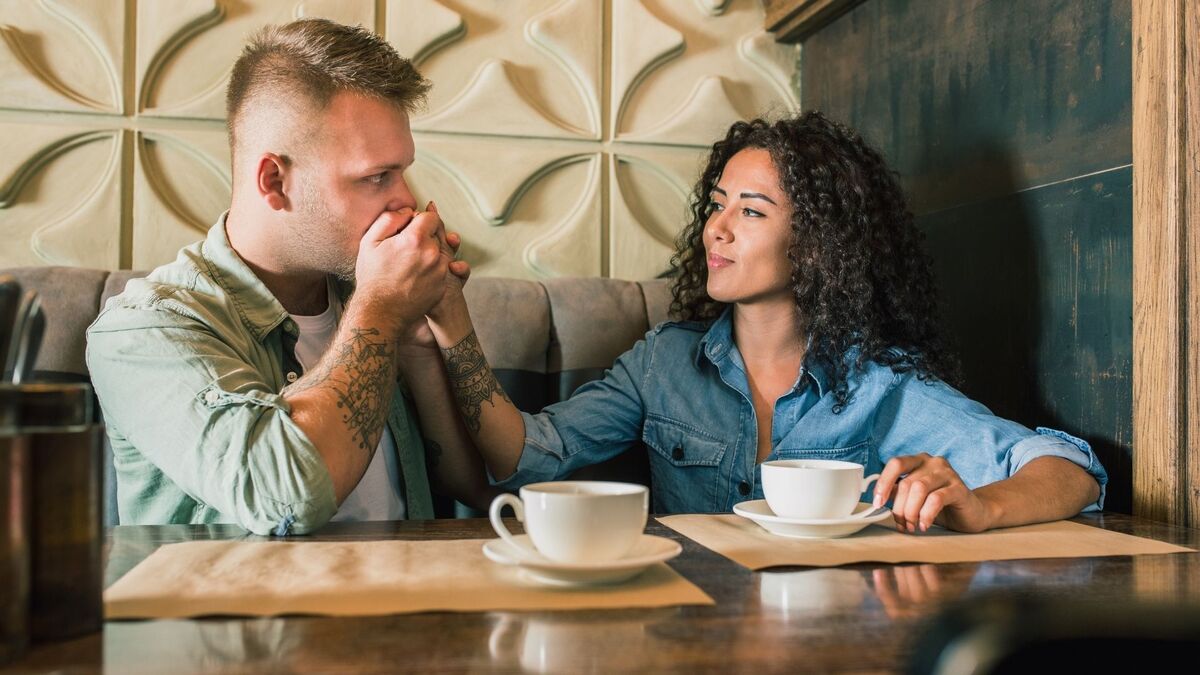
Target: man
[(244, 382)]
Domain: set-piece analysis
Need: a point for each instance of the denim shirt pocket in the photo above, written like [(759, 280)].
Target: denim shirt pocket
[(685, 463), (859, 453)]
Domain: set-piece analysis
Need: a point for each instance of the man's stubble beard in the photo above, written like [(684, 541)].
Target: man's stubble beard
[(319, 246)]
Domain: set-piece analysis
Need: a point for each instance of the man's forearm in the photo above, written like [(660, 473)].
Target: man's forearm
[(342, 403), (454, 465), (1045, 489)]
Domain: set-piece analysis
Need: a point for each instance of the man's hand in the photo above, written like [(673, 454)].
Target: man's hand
[(928, 490), (457, 272), (400, 270)]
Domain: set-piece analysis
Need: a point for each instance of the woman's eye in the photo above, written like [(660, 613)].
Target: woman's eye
[(715, 206), (751, 213)]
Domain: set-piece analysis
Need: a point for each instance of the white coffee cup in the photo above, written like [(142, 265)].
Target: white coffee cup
[(576, 521), (813, 489)]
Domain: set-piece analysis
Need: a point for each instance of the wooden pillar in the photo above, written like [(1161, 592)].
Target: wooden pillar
[(1166, 260)]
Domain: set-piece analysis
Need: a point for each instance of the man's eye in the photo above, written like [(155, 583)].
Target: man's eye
[(378, 179)]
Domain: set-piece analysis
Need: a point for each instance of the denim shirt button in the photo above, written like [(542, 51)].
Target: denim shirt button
[(743, 488), (677, 454)]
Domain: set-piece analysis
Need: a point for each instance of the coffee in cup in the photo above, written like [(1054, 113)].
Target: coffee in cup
[(576, 521), (813, 489)]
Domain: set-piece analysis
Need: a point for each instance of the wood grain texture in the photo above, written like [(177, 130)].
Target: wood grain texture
[(1190, 474), (794, 20), (1164, 126), (852, 618)]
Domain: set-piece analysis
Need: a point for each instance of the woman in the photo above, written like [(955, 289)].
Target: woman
[(806, 328)]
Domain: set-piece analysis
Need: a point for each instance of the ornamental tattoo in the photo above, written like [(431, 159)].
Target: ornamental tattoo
[(365, 363), (472, 379)]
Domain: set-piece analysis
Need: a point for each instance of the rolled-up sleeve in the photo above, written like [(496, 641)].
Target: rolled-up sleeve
[(1054, 443), (930, 416), (205, 417), (600, 420)]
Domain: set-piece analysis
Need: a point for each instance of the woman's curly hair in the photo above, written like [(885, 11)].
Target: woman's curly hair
[(859, 273)]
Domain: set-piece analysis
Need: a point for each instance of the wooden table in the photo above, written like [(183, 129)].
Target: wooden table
[(860, 617)]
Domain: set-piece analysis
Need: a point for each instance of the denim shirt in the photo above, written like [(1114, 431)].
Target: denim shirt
[(683, 392)]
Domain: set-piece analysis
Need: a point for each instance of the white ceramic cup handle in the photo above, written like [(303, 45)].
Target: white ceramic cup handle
[(865, 484), (518, 507)]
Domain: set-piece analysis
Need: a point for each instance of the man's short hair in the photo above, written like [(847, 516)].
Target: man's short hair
[(315, 59)]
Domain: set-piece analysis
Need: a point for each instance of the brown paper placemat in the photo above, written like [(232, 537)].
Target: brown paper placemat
[(745, 543), (357, 579)]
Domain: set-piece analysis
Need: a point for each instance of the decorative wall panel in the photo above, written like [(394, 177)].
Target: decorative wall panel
[(561, 137)]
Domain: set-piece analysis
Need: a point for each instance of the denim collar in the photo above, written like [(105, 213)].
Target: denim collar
[(257, 307), (717, 344)]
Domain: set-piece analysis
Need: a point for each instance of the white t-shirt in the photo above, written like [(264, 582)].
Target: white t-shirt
[(380, 493)]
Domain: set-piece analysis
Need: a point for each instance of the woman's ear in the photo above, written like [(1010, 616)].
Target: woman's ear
[(269, 177)]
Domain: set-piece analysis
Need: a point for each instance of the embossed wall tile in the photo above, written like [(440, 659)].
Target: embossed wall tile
[(527, 69), (62, 55), (648, 206), (539, 216), (561, 136), (186, 48), (61, 195), (723, 72), (181, 185)]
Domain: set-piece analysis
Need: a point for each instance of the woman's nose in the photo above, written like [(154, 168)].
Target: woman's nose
[(717, 228)]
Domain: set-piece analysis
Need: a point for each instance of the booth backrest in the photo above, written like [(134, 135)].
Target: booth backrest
[(543, 338)]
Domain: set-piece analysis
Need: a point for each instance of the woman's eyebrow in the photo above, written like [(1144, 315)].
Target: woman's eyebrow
[(758, 195)]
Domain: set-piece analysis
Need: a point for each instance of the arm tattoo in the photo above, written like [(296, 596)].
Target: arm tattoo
[(471, 379), (365, 365)]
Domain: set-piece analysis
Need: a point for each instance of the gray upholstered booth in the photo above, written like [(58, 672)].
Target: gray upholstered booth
[(544, 339)]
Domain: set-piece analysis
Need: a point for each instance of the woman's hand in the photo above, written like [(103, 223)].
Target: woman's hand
[(927, 491)]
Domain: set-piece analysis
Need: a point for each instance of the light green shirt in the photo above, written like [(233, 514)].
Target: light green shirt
[(188, 364)]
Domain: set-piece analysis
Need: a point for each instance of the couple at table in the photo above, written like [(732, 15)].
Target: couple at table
[(314, 358)]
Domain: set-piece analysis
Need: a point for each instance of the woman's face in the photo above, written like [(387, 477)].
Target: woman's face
[(748, 232)]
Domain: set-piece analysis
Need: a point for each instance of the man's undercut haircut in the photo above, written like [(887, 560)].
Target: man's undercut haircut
[(314, 59)]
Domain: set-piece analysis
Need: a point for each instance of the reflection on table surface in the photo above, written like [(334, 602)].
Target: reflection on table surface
[(862, 617)]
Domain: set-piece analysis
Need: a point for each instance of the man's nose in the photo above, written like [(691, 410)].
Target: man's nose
[(402, 197)]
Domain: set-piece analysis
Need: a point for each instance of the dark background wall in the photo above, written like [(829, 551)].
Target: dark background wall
[(1009, 122)]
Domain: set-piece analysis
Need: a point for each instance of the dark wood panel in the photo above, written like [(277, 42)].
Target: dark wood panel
[(971, 99), (1010, 125), (1037, 292)]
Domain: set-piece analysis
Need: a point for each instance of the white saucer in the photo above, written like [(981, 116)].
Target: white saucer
[(648, 551), (758, 511)]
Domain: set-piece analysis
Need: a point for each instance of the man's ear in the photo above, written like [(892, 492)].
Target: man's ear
[(269, 177)]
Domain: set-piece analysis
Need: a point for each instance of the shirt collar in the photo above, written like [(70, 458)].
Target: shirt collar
[(718, 339), (717, 342)]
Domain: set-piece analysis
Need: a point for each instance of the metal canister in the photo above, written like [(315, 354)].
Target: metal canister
[(65, 449), (15, 546)]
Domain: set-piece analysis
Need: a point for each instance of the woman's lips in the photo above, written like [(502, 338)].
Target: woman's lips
[(716, 262)]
